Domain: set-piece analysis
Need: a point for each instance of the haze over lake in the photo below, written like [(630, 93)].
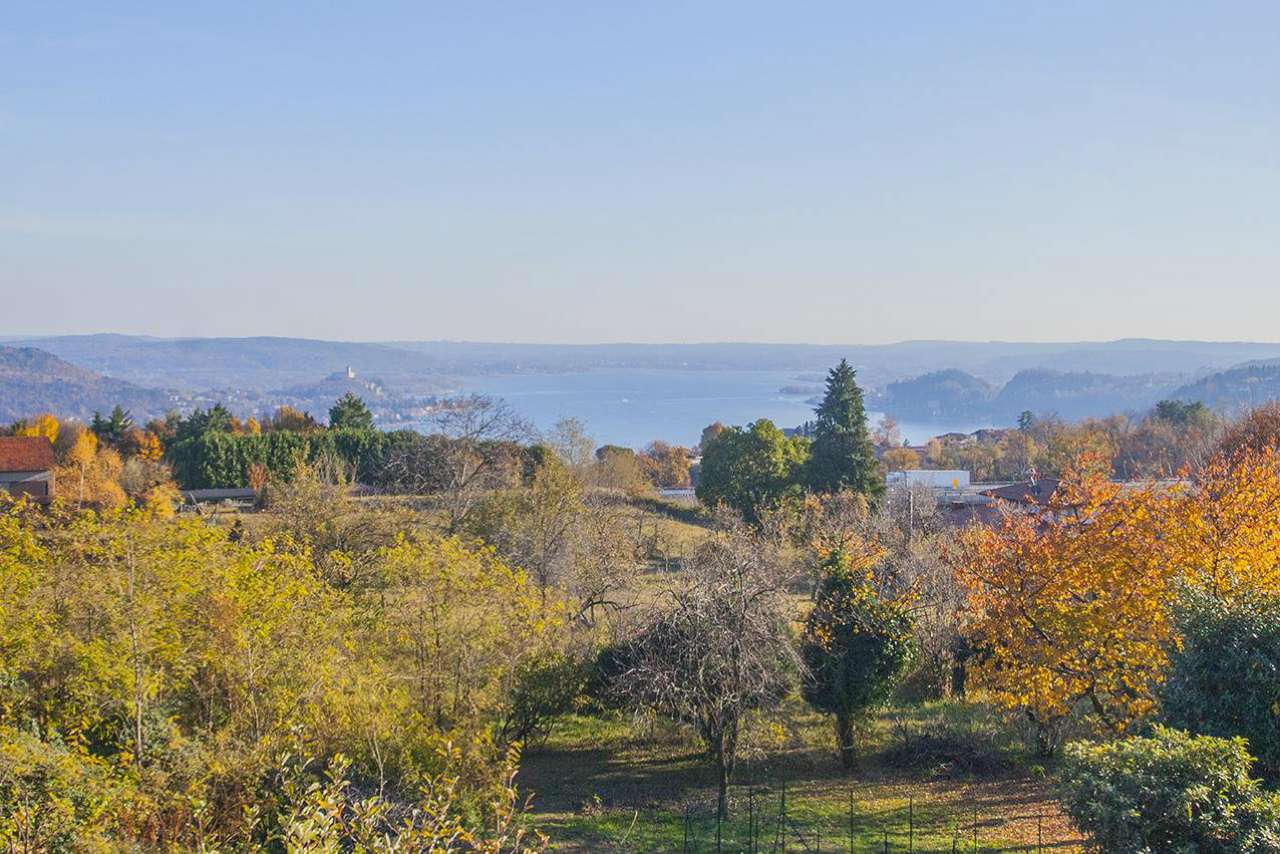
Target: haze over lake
[(632, 407)]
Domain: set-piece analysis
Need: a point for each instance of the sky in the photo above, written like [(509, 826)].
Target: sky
[(838, 173)]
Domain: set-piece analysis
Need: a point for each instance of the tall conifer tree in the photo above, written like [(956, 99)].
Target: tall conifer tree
[(842, 455), (350, 413)]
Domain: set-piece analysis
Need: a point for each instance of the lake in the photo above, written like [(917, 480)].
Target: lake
[(632, 407)]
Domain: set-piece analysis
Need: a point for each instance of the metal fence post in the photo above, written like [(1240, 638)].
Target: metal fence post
[(911, 823), (850, 821), (782, 818)]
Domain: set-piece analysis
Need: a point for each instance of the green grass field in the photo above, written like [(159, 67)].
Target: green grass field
[(928, 777)]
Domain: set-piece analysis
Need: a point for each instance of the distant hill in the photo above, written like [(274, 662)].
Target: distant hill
[(926, 380), (953, 394), (939, 394), (1073, 395), (252, 364), (317, 397), (1130, 357), (1235, 389), (34, 381), (428, 367)]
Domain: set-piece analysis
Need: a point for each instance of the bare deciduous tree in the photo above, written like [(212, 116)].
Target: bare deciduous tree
[(535, 527), (914, 535), (719, 649), (569, 439), (606, 559), (472, 425), (471, 453)]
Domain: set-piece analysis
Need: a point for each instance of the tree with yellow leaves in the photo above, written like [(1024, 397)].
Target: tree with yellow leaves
[(91, 472), (1223, 535), (181, 661), (1071, 603), (150, 448), (1066, 604), (900, 459), (43, 424), (77, 461)]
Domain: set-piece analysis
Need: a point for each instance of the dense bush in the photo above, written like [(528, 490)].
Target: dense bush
[(545, 687), (218, 459), (182, 663), (1171, 793), (51, 799), (321, 811), (1224, 678)]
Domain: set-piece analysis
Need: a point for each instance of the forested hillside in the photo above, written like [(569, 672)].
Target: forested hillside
[(1240, 388), (959, 395), (33, 380)]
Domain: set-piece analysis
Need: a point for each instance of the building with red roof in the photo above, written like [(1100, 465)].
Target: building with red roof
[(26, 466)]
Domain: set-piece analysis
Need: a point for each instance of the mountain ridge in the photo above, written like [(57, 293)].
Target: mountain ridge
[(266, 362), (34, 381)]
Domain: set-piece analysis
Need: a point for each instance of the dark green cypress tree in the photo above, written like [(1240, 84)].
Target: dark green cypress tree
[(842, 455), (350, 413)]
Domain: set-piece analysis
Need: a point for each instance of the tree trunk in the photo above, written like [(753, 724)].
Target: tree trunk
[(845, 740), (726, 753), (722, 802), (958, 678)]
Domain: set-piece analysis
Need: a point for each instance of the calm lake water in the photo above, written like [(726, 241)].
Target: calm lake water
[(633, 407)]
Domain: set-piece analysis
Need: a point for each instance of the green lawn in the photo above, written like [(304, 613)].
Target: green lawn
[(928, 776)]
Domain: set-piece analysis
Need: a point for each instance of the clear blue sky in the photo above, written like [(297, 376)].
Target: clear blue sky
[(826, 172)]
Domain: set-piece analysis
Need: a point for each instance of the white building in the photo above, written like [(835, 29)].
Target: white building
[(934, 479)]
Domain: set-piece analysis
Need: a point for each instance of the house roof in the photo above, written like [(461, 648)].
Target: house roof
[(1027, 491), (25, 453)]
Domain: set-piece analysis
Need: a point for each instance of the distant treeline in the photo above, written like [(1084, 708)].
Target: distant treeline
[(480, 443)]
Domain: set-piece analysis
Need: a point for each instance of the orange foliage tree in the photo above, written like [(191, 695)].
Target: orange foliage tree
[(1066, 604), (150, 447), (1070, 604)]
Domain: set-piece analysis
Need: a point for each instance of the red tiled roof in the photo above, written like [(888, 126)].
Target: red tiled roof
[(25, 453)]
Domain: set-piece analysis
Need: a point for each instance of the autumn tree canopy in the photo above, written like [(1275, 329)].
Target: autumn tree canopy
[(1071, 603)]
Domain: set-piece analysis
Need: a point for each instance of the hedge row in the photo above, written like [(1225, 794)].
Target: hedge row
[(221, 460)]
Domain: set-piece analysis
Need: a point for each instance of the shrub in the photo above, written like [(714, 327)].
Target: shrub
[(51, 800), (1171, 792), (1224, 680), (600, 689), (856, 645), (545, 688), (322, 812), (951, 738)]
